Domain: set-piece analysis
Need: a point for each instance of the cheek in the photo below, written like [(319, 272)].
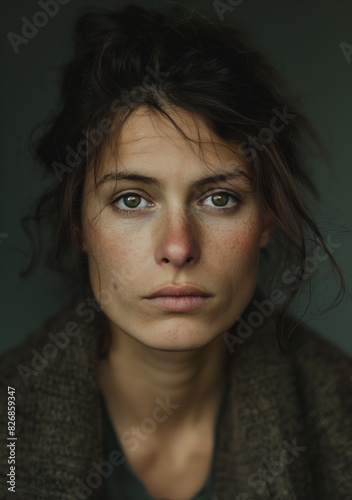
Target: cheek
[(114, 262), (240, 244), (236, 269)]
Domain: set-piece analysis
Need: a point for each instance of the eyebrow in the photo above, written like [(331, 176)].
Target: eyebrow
[(224, 176)]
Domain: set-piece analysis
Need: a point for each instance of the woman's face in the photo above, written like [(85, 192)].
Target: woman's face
[(171, 227)]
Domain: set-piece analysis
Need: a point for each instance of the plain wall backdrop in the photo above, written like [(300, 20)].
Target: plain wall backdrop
[(309, 42)]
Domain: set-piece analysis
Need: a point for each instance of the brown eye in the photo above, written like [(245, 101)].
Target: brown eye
[(220, 200), (131, 200)]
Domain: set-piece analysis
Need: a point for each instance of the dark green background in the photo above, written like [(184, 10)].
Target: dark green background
[(302, 38)]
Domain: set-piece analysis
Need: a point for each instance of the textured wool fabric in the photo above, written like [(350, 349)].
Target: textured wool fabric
[(286, 433)]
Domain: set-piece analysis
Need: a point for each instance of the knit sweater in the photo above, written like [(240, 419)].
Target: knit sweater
[(286, 433)]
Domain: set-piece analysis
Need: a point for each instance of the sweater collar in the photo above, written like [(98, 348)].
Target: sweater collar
[(261, 452)]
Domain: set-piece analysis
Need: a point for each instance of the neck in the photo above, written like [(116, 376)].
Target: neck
[(135, 378)]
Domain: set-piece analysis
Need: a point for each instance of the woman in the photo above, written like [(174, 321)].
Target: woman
[(173, 374)]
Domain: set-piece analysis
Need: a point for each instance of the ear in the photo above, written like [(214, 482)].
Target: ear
[(268, 229)]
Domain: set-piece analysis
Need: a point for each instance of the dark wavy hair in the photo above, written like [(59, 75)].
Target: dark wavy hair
[(136, 57)]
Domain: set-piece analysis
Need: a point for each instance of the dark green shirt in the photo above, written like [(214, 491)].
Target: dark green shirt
[(123, 484)]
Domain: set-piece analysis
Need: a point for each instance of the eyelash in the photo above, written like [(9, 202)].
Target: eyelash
[(129, 211)]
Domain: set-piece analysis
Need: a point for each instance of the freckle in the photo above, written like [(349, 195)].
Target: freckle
[(115, 285)]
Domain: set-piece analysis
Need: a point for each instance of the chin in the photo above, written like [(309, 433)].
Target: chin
[(175, 342)]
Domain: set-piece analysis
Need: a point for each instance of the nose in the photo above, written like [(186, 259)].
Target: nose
[(178, 240)]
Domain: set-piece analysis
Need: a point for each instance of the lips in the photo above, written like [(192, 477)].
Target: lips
[(173, 291), (178, 299)]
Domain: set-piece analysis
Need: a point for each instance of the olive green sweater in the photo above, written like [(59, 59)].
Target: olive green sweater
[(286, 433)]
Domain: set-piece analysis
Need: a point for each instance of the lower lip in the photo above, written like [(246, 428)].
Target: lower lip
[(178, 303)]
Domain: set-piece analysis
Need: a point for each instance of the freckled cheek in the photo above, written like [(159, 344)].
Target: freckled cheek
[(104, 243), (242, 243), (117, 259)]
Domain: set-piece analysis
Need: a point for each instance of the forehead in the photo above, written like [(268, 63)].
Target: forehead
[(148, 139)]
